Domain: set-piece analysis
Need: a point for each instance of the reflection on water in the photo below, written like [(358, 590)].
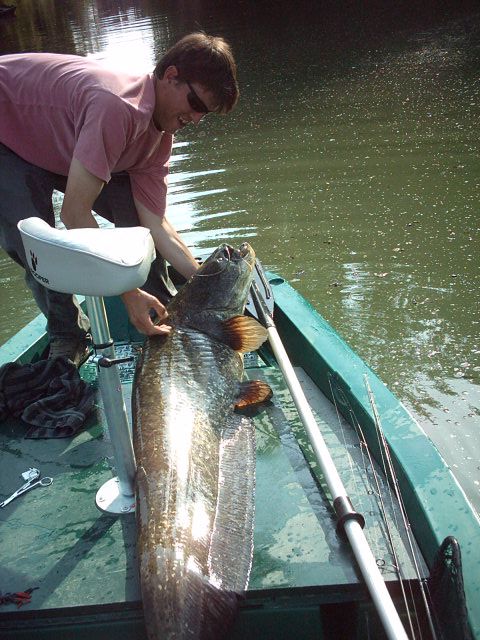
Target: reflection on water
[(352, 161), (200, 227)]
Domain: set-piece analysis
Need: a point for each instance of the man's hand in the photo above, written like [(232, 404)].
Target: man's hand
[(139, 304)]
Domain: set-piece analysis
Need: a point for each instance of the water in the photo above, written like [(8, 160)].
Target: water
[(351, 164)]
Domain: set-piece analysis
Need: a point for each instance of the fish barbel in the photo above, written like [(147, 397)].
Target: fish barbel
[(195, 456)]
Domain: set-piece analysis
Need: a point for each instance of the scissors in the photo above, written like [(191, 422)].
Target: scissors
[(33, 482)]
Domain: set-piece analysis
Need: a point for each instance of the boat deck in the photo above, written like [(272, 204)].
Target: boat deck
[(78, 559)]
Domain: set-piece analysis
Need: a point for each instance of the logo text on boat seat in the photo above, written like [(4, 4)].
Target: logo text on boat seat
[(33, 260), (34, 263)]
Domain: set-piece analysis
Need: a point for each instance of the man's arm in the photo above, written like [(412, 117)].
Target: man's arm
[(167, 241), (81, 192)]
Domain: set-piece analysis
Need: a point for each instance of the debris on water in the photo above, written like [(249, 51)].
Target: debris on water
[(460, 371)]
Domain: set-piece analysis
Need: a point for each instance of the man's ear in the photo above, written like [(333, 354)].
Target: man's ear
[(171, 73)]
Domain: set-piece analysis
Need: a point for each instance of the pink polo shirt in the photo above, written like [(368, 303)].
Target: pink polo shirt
[(56, 107)]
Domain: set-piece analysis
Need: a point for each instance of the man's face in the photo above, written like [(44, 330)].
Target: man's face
[(179, 103)]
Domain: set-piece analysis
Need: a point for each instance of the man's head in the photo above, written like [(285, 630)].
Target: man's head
[(196, 76)]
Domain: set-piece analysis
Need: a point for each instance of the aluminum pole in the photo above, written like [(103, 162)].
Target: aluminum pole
[(353, 530), (117, 495)]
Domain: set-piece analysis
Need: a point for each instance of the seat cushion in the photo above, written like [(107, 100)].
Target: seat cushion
[(91, 262)]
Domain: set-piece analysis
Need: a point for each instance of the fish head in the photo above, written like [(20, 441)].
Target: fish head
[(220, 286)]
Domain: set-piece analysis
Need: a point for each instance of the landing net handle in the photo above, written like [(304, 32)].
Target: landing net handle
[(352, 527)]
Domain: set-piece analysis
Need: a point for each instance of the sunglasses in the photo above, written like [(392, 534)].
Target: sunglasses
[(194, 101)]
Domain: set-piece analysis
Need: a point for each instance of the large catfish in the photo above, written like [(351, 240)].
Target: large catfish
[(196, 456)]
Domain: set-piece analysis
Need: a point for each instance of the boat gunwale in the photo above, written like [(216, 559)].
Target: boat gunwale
[(313, 340), (27, 344)]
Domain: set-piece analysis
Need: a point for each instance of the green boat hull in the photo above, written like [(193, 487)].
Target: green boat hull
[(304, 583)]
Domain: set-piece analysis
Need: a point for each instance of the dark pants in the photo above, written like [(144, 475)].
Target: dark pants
[(25, 191)]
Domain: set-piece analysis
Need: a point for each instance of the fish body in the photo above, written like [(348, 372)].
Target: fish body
[(195, 456)]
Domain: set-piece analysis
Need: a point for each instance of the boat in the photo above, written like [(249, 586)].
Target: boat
[(69, 570)]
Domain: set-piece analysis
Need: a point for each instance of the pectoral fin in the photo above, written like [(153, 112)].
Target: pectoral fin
[(243, 333), (252, 393)]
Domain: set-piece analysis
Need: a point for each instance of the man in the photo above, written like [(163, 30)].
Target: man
[(104, 138)]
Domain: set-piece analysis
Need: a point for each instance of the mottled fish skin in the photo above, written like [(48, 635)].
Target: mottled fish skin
[(196, 465)]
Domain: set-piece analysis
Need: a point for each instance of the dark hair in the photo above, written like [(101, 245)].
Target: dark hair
[(207, 60)]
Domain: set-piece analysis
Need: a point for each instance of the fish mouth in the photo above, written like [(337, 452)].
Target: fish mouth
[(226, 257), (244, 252)]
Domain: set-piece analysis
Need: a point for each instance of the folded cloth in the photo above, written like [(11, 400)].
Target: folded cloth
[(49, 395)]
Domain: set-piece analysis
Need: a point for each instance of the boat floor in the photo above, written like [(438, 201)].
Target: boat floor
[(54, 539)]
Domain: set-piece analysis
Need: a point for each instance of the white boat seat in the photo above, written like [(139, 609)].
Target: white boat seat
[(90, 262), (97, 263)]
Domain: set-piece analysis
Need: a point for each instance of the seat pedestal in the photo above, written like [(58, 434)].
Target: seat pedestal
[(117, 495)]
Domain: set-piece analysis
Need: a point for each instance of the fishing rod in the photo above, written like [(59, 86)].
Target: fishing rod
[(379, 495), (389, 471), (348, 520)]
